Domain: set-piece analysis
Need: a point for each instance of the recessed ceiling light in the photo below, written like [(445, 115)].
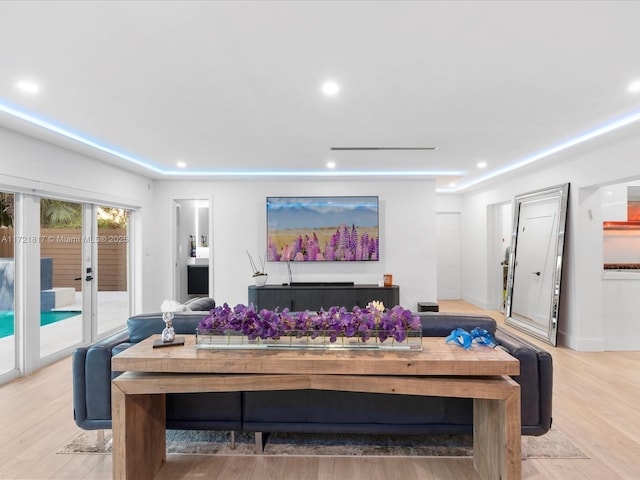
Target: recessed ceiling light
[(635, 87), (452, 185), (482, 164), (331, 164), (330, 88), (28, 86), (181, 164)]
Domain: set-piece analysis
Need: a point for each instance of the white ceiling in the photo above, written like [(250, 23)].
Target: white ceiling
[(233, 88)]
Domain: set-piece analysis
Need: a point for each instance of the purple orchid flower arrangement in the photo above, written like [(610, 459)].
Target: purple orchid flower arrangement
[(334, 323)]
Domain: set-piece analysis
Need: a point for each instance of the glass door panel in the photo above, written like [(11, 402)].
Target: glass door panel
[(61, 275), (112, 250), (7, 290)]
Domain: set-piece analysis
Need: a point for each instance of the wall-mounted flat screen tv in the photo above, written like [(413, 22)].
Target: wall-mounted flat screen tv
[(322, 229)]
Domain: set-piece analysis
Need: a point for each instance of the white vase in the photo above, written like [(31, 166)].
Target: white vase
[(260, 280)]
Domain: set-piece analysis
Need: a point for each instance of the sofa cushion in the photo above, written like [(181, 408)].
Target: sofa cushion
[(200, 304), (436, 324), (204, 411), (353, 412)]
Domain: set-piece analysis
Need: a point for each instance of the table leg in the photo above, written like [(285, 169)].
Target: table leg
[(496, 438), (139, 441)]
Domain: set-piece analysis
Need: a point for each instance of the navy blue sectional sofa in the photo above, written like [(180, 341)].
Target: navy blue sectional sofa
[(92, 377), (311, 410)]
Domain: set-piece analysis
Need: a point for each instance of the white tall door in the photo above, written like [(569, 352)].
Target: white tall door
[(533, 273), (448, 233)]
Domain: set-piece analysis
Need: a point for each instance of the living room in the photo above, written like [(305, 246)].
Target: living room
[(38, 164)]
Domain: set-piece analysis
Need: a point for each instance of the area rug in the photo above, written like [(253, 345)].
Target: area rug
[(551, 445)]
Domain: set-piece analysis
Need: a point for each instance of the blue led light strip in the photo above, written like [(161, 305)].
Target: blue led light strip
[(571, 142), (34, 119), (70, 134)]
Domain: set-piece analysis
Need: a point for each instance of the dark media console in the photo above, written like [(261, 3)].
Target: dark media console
[(313, 296)]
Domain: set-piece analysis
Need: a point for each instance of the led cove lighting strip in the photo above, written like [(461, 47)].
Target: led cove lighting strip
[(64, 132), (585, 137), (315, 173), (52, 127)]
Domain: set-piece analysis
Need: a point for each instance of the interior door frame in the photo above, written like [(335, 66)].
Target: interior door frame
[(89, 269), (559, 193), (179, 269)]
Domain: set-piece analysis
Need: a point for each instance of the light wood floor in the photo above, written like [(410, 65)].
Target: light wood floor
[(596, 405)]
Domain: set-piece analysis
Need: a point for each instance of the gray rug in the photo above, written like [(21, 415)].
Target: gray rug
[(551, 445)]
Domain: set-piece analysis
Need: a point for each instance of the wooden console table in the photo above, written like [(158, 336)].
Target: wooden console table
[(446, 370)]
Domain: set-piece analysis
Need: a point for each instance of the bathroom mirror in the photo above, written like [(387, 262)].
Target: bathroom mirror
[(192, 272), (202, 228), (535, 262)]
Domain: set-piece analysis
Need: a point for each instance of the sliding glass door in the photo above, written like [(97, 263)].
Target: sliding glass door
[(61, 275), (74, 258), (112, 250), (83, 273), (7, 284)]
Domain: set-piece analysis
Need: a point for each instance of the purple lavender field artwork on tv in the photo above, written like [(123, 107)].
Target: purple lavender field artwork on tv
[(322, 229)]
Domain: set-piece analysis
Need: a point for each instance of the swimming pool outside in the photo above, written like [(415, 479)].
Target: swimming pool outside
[(46, 318)]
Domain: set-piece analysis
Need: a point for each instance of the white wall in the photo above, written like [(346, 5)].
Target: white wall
[(449, 203), (610, 160), (238, 215), (43, 168)]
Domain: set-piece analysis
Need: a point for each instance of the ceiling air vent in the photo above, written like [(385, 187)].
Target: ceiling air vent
[(381, 148)]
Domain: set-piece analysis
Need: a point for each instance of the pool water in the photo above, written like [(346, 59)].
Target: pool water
[(46, 318)]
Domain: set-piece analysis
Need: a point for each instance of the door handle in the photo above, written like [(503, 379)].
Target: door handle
[(535, 273)]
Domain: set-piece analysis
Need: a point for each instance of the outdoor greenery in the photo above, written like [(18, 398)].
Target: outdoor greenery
[(112, 217), (6, 209), (62, 214)]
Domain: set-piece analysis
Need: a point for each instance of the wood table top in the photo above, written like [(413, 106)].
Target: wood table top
[(436, 358)]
